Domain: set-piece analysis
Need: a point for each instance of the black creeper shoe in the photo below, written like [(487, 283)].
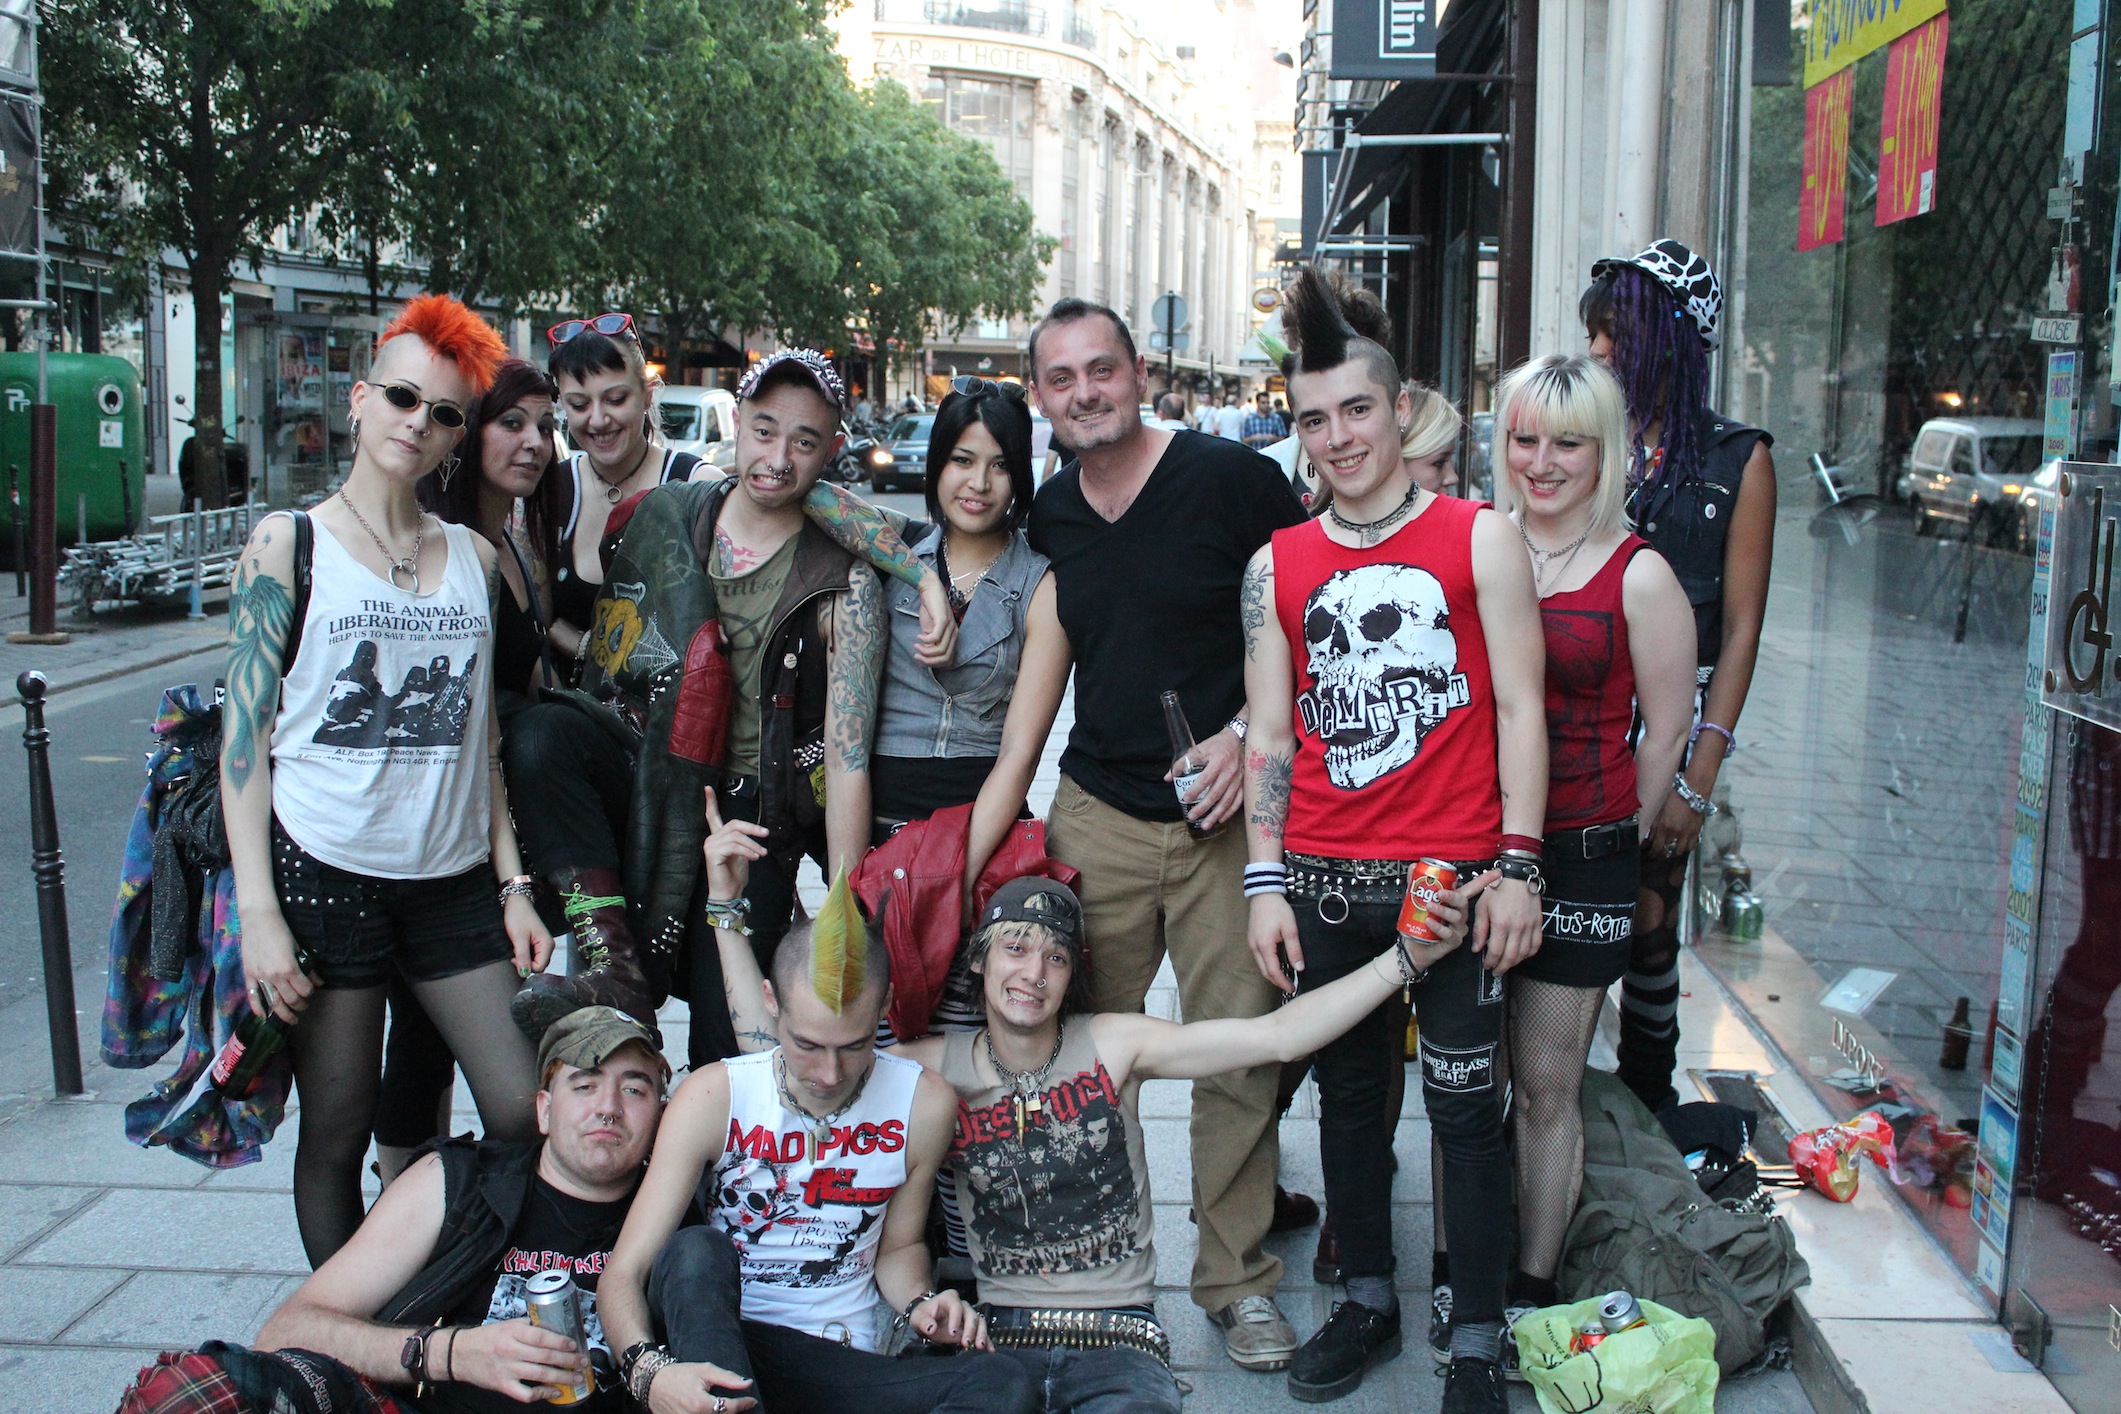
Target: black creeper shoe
[(1474, 1387), (1332, 1363)]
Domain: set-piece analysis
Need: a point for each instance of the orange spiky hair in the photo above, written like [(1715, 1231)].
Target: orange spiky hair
[(443, 324)]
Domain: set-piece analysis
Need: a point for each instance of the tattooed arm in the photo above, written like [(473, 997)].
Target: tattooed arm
[(873, 533), (730, 848), (527, 933), (1270, 757), (856, 639), (261, 611)]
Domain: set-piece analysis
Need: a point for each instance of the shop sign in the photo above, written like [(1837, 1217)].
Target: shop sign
[(1823, 199), (2061, 426), (1907, 133), (1384, 39), (2081, 669), (2056, 328), (1843, 31)]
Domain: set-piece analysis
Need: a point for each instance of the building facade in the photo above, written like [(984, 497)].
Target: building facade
[(1115, 128)]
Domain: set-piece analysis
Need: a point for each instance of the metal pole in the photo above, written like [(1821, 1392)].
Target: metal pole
[(198, 530), (81, 518), (14, 516), (43, 531), (125, 493), (50, 870)]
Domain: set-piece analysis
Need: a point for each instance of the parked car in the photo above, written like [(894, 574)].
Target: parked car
[(1971, 471), (907, 442), (698, 420), (2038, 495)]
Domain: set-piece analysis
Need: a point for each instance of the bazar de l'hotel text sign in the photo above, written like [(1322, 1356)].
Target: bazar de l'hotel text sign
[(1843, 31), (895, 48)]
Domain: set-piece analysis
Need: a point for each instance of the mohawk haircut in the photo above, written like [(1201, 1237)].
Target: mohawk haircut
[(1328, 319), (443, 324), (838, 955)]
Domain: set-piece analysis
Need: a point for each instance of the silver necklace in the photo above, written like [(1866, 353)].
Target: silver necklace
[(1365, 530), (819, 1126), (1540, 558), (1029, 1086), (410, 565)]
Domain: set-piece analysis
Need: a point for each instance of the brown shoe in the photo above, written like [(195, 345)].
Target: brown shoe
[(1325, 1266), (605, 968), (1293, 1212)]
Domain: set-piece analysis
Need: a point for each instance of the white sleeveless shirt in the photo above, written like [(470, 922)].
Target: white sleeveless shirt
[(807, 1226), (379, 751)]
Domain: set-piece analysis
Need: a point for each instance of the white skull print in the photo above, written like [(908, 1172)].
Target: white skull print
[(1385, 668)]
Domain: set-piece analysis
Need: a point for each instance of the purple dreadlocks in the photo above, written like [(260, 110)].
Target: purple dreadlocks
[(1659, 358)]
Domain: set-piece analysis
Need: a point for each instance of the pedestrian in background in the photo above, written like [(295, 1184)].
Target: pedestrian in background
[(1230, 419), (367, 819), (1702, 492), (1148, 535), (1261, 428), (1618, 643)]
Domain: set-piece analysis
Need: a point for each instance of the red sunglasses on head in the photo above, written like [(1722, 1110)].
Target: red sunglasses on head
[(611, 326)]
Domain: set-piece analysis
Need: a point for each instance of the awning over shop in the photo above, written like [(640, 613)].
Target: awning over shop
[(1473, 41)]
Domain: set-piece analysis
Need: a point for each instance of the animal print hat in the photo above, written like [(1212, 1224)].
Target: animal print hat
[(1688, 276)]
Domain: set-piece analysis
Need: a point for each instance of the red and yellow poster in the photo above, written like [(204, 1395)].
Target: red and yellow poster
[(1824, 199), (1907, 137)]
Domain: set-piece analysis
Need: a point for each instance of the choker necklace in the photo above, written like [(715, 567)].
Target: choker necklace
[(410, 565), (611, 488), (1540, 558), (819, 1126), (1029, 1085), (1364, 530)]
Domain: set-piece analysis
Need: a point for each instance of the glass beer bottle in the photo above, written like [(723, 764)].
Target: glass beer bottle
[(1185, 760)]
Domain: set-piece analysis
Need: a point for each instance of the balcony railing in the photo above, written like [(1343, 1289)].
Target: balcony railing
[(1008, 16)]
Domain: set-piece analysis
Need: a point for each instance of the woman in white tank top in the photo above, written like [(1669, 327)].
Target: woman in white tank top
[(361, 781)]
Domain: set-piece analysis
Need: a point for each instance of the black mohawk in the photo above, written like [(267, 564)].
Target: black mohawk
[(1322, 310)]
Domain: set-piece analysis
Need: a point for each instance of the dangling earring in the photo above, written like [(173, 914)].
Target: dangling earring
[(449, 468), (353, 429)]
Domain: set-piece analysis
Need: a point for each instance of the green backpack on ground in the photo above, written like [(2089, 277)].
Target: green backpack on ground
[(1644, 1226)]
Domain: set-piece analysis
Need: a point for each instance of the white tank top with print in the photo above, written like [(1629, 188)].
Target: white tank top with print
[(806, 1222), (379, 752)]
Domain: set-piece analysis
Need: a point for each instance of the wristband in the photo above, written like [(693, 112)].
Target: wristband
[(1730, 743), (646, 1366), (1516, 864), (1524, 844), (733, 914), (1266, 879), (1237, 727), (518, 886), (1695, 801)]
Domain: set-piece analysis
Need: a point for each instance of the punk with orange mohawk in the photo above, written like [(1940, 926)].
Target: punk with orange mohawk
[(360, 772)]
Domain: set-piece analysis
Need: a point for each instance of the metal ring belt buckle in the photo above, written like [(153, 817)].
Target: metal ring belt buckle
[(1345, 907)]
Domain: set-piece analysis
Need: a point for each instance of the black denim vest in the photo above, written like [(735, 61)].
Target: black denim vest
[(1689, 522)]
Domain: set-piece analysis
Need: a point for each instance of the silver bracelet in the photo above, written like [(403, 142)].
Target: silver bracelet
[(1695, 801), (646, 1366)]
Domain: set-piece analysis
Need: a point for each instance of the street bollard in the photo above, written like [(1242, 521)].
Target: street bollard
[(198, 530), (50, 870)]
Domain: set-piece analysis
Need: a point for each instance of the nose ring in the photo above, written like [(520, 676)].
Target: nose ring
[(1040, 984)]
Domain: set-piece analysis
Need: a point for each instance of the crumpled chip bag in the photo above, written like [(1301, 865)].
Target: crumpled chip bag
[(1826, 1157), (1665, 1366)]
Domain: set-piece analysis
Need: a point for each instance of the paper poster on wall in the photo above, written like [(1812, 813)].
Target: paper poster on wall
[(1907, 133), (2061, 423), (1823, 198)]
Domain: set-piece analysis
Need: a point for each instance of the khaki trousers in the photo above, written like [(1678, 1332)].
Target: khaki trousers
[(1148, 888)]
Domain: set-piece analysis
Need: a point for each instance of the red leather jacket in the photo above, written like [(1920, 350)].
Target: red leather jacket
[(921, 869)]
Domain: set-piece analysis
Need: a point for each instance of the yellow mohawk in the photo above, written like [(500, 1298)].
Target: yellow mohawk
[(839, 952)]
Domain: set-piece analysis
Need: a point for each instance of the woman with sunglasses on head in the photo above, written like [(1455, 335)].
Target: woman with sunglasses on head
[(972, 732), (360, 774), (499, 487), (608, 397), (1702, 492)]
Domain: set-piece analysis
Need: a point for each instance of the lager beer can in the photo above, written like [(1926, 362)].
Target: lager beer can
[(555, 1304), (1620, 1311), (1425, 880)]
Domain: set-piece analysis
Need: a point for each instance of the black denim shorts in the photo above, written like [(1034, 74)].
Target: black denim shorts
[(356, 928), (1588, 929)]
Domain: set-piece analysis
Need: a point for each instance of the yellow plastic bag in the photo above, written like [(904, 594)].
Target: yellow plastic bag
[(1665, 1367)]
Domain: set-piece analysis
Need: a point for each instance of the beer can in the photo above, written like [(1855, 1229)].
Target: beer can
[(555, 1304), (1621, 1312), (1590, 1337), (1426, 879)]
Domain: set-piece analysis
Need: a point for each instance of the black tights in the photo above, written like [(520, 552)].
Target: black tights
[(337, 1052), (1649, 993)]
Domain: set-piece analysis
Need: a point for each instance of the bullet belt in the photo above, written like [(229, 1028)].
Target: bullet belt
[(1336, 884), (1047, 1328), (1595, 841)]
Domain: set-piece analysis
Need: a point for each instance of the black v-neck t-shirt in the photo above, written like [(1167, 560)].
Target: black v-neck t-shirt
[(1149, 603)]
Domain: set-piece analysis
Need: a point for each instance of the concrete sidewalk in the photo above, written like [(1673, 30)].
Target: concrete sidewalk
[(112, 642)]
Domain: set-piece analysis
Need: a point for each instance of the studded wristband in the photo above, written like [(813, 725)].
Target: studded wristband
[(1523, 867), (1695, 801)]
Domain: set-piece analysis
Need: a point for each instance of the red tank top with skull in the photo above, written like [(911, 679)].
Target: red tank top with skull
[(1395, 711)]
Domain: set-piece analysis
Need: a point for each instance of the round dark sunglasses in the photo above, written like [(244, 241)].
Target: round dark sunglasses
[(610, 325), (972, 387), (444, 414)]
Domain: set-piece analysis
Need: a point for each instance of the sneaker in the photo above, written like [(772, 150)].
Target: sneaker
[(1511, 1315), (1440, 1324), (1255, 1333), (1474, 1387), (1325, 1263), (1333, 1362), (1293, 1212)]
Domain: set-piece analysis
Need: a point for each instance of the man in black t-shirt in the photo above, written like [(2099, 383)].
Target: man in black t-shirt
[(1149, 534), (431, 1289)]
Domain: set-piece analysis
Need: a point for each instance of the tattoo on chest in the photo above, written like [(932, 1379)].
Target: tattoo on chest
[(731, 559)]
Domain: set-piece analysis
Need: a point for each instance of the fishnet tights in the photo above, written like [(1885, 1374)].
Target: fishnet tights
[(1550, 1037)]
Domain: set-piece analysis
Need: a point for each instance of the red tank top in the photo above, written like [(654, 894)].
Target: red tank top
[(1590, 698), (1395, 714)]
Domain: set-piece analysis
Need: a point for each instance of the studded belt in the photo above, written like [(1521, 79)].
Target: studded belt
[(1045, 1328), (1334, 885)]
